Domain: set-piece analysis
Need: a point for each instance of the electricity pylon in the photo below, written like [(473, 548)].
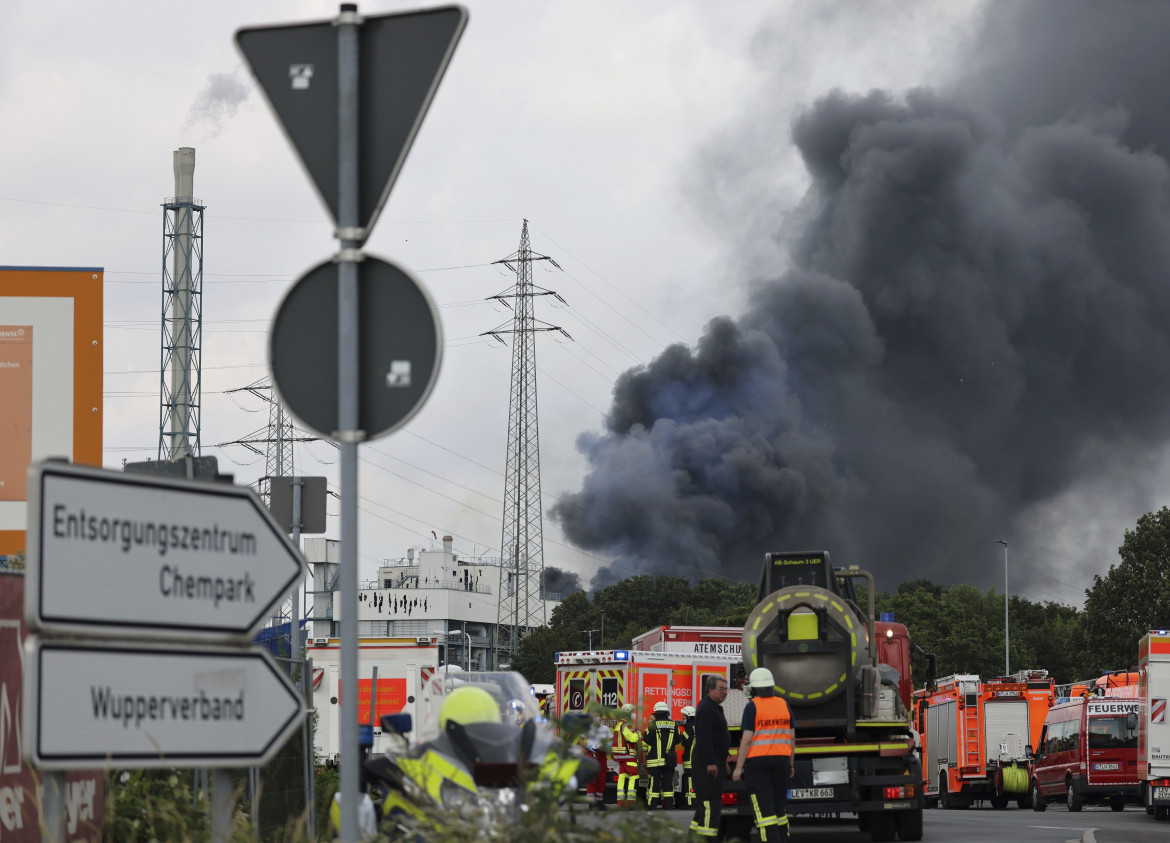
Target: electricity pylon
[(521, 598)]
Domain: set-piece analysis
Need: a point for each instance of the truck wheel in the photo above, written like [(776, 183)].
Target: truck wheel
[(881, 828), (944, 795), (1073, 801), (1039, 803), (910, 825), (998, 801), (1117, 803)]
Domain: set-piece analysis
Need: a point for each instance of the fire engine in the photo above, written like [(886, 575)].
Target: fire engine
[(975, 733), (846, 677), (1153, 728)]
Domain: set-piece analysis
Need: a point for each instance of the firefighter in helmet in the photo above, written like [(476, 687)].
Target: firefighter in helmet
[(766, 755), (659, 741), (625, 752), (686, 736)]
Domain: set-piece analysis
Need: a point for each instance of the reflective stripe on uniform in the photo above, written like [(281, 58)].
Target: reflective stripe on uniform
[(659, 728), (705, 830), (773, 734)]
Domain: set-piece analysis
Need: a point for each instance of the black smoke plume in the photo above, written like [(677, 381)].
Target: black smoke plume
[(974, 323), (557, 581)]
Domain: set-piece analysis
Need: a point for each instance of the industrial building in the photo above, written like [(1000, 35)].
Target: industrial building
[(432, 593)]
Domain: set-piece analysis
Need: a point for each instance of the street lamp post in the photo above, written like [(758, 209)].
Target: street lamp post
[(590, 632), (447, 638), (446, 646), (1007, 670)]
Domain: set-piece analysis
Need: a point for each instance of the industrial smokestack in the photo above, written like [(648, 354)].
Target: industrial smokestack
[(184, 162)]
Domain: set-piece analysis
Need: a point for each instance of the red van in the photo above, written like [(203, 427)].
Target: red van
[(1087, 755)]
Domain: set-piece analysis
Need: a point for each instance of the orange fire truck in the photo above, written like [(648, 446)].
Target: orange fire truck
[(974, 733)]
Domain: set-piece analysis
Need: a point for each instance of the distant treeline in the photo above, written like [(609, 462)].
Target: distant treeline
[(961, 625)]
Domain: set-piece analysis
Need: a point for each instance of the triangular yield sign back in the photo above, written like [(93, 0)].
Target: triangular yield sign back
[(401, 59)]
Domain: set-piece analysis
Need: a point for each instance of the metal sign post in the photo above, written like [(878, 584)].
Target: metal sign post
[(353, 170), (347, 404)]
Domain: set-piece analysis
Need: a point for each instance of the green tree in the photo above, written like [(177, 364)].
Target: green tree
[(624, 611), (1047, 635), (964, 629), (1132, 598), (534, 656)]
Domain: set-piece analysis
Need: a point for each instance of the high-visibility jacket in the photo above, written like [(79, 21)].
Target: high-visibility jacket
[(686, 736), (773, 734), (625, 741), (659, 740)]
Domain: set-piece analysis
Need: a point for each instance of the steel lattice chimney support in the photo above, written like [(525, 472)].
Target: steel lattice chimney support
[(184, 164)]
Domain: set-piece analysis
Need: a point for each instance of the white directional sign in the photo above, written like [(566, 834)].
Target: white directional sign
[(139, 555), (148, 706)]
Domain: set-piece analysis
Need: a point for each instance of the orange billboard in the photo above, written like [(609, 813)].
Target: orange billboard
[(16, 413), (50, 379)]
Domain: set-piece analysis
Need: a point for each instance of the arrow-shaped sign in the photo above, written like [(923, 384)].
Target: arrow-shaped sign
[(401, 58), (139, 555), (142, 706)]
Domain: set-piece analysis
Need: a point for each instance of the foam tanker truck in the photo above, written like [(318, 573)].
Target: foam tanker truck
[(846, 678)]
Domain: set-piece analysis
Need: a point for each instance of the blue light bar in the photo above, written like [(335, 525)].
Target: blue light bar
[(556, 657), (621, 656)]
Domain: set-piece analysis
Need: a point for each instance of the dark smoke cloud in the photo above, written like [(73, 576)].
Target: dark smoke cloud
[(560, 582), (975, 321)]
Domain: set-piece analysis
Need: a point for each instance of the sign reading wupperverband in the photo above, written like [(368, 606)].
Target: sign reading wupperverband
[(135, 555), (128, 705)]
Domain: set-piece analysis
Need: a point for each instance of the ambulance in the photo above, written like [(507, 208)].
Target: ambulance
[(606, 680), (596, 680)]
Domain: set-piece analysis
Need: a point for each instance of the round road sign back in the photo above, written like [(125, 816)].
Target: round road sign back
[(400, 346)]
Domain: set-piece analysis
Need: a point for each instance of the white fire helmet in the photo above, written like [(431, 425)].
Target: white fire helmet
[(661, 708), (688, 711), (762, 678)]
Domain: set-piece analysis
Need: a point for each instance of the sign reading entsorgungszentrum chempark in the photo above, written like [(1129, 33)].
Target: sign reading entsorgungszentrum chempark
[(135, 555)]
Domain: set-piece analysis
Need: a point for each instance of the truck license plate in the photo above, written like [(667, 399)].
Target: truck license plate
[(1112, 766), (1162, 792), (811, 793)]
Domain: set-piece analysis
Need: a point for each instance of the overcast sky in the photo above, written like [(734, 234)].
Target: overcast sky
[(649, 145)]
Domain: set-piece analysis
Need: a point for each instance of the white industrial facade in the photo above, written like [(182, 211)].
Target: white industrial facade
[(432, 590)]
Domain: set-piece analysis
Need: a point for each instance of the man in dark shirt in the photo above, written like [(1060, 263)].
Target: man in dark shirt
[(709, 757)]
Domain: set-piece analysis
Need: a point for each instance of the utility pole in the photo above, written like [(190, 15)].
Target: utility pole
[(277, 438), (521, 598)]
